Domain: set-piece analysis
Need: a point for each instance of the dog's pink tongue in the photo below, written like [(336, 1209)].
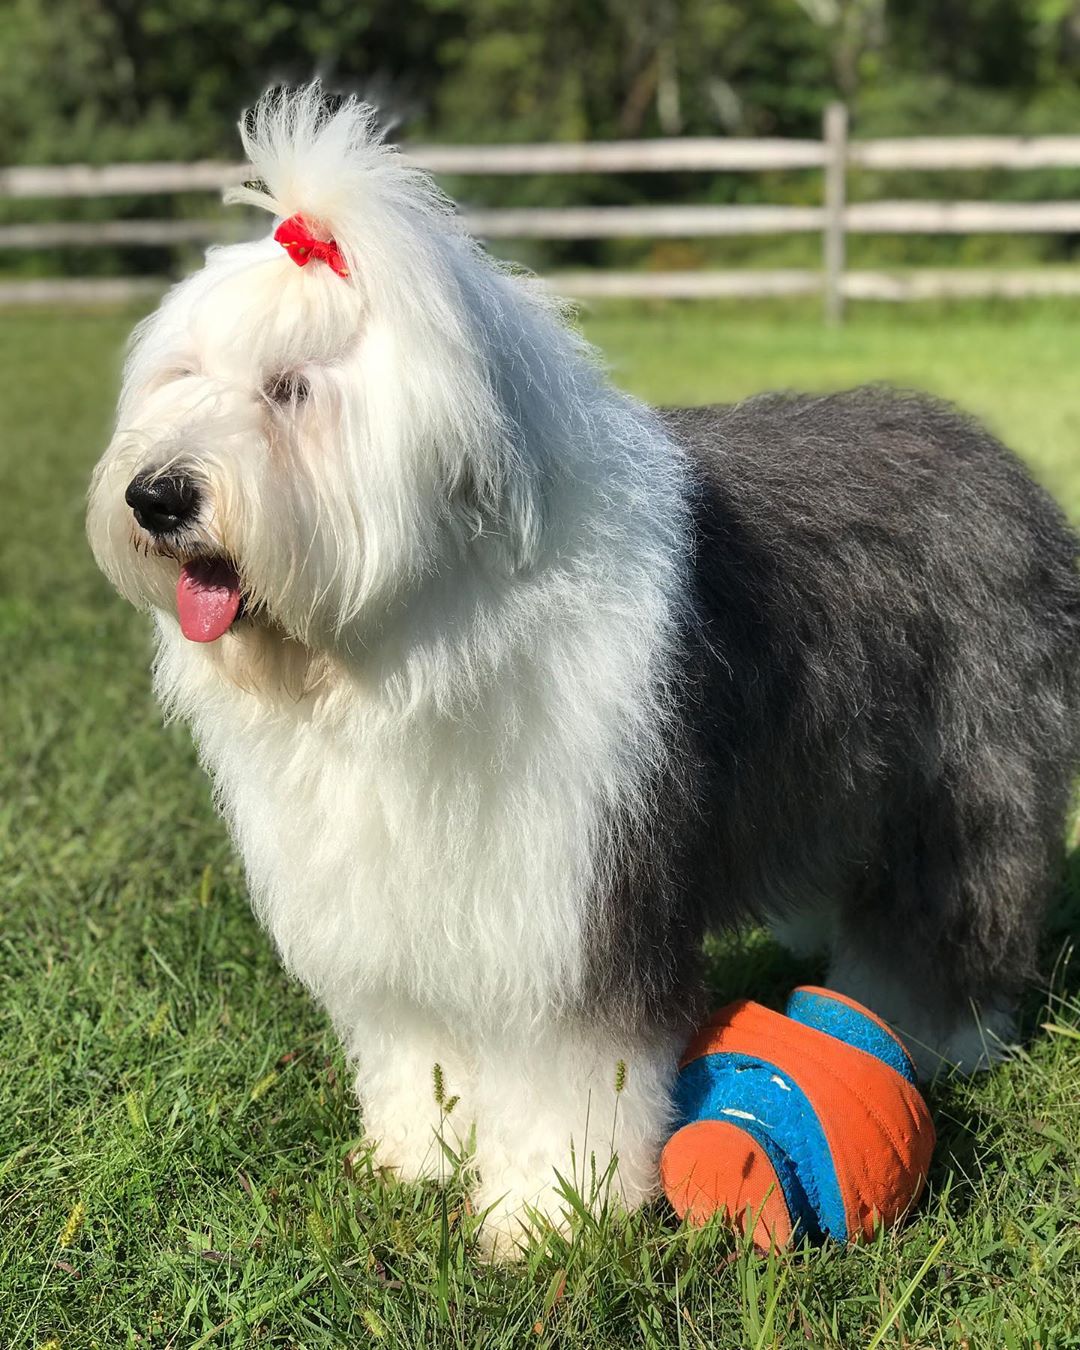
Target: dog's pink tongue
[(207, 599)]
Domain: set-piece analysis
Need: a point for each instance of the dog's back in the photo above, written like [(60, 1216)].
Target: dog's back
[(888, 666)]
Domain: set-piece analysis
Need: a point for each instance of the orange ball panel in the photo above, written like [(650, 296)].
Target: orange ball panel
[(710, 1165)]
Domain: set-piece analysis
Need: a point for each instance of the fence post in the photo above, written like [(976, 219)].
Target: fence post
[(835, 136)]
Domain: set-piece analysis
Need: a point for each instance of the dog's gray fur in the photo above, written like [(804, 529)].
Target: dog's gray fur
[(881, 709)]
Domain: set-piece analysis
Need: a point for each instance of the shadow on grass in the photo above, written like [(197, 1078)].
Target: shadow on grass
[(1063, 927), (754, 965)]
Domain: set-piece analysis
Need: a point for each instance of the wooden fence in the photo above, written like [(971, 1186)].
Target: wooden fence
[(834, 219)]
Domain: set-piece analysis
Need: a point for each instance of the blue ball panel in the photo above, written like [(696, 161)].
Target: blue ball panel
[(757, 1097), (847, 1024)]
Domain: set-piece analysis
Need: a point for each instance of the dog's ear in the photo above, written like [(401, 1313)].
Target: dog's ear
[(500, 512)]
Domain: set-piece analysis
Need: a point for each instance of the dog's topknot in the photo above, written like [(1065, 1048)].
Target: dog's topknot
[(326, 158)]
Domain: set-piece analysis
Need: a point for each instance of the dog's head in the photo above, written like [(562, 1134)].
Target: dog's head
[(299, 447)]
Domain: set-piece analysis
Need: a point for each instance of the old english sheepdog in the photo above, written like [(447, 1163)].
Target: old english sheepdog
[(511, 688)]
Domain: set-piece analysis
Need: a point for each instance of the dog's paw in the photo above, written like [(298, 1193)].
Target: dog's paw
[(410, 1158), (514, 1218), (416, 1148), (971, 1046), (503, 1239)]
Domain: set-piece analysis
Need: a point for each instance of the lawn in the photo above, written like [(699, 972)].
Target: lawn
[(181, 1163)]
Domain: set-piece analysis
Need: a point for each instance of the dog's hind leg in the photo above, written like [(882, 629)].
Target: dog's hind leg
[(939, 1033), (943, 939)]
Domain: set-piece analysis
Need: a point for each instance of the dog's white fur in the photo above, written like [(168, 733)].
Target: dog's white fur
[(463, 553)]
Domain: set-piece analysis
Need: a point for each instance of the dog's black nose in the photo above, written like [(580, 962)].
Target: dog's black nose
[(162, 505)]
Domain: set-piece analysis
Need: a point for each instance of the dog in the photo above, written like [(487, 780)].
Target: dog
[(512, 688)]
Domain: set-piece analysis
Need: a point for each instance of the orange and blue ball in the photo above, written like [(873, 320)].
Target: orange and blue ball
[(806, 1124)]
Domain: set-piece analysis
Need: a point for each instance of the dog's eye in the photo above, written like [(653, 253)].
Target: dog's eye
[(287, 388), (169, 375)]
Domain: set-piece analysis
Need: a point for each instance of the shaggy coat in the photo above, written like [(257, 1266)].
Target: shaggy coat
[(879, 710), (517, 687)]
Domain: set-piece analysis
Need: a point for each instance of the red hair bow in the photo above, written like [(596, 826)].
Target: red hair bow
[(301, 246)]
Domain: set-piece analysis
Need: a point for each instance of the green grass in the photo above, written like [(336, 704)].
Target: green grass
[(180, 1160)]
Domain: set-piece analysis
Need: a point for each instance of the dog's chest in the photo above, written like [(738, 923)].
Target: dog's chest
[(422, 867)]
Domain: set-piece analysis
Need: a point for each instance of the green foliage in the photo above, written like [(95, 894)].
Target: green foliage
[(103, 80), (98, 80), (181, 1161), (108, 80)]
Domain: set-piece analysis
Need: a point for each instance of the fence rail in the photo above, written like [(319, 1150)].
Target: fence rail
[(834, 219)]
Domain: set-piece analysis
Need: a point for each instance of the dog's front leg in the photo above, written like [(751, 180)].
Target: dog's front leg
[(414, 1085), (573, 1102)]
